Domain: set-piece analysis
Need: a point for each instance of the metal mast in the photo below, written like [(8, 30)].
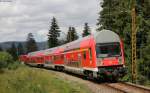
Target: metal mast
[(133, 41)]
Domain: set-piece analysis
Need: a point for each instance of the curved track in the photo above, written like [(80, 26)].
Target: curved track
[(119, 87), (125, 87)]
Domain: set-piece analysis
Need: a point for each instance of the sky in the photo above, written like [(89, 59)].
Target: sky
[(20, 17)]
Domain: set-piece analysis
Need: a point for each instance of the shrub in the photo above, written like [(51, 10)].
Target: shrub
[(5, 60), (14, 65)]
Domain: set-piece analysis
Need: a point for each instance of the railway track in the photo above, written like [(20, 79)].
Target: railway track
[(120, 87), (125, 87)]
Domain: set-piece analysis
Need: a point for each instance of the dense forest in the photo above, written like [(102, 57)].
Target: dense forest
[(116, 16)]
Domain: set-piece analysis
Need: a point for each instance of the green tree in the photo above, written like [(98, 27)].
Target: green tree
[(72, 34), (69, 34), (20, 49), (53, 34), (13, 51), (144, 63), (5, 59), (86, 30), (116, 16), (31, 43)]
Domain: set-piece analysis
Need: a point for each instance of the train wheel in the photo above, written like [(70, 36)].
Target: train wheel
[(90, 76)]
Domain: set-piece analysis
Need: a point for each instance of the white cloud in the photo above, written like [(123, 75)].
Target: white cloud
[(19, 17)]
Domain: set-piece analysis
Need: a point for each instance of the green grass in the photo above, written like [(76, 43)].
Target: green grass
[(33, 80)]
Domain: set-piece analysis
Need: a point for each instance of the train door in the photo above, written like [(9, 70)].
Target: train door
[(62, 58), (79, 59), (89, 58), (86, 58)]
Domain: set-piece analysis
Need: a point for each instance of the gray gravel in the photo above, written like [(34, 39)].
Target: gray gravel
[(94, 87)]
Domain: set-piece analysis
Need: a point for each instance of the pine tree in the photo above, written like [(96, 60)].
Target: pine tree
[(31, 43), (20, 49), (13, 51), (115, 16), (86, 30), (69, 35), (53, 34), (143, 39), (106, 19), (72, 34), (144, 63)]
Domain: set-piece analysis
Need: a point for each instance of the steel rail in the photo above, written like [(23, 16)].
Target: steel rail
[(126, 87)]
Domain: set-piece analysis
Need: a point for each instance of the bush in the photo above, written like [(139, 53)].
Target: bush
[(5, 60), (14, 65), (141, 79), (33, 80)]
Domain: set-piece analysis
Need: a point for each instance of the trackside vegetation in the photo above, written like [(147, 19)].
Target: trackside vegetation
[(34, 80), (116, 16), (19, 78), (6, 62)]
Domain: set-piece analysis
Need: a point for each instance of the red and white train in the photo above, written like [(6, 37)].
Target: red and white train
[(98, 56)]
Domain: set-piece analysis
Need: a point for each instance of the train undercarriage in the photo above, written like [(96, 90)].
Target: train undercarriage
[(108, 74)]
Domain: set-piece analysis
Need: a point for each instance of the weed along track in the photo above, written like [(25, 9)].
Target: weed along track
[(34, 80), (119, 87), (93, 86), (128, 87)]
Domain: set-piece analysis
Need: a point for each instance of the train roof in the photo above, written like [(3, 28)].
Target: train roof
[(106, 36), (36, 53), (103, 36)]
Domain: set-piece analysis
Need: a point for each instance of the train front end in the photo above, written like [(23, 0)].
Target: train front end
[(109, 56)]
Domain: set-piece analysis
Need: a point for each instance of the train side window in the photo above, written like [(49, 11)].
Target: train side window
[(62, 56), (54, 58), (90, 52), (84, 54)]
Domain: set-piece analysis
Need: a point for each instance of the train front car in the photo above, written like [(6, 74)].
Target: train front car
[(109, 55)]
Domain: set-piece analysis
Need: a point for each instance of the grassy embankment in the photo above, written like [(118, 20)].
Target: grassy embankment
[(33, 80)]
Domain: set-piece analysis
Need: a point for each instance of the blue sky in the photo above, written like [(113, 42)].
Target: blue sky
[(20, 17)]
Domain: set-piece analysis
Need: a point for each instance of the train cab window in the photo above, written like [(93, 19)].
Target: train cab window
[(108, 50)]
